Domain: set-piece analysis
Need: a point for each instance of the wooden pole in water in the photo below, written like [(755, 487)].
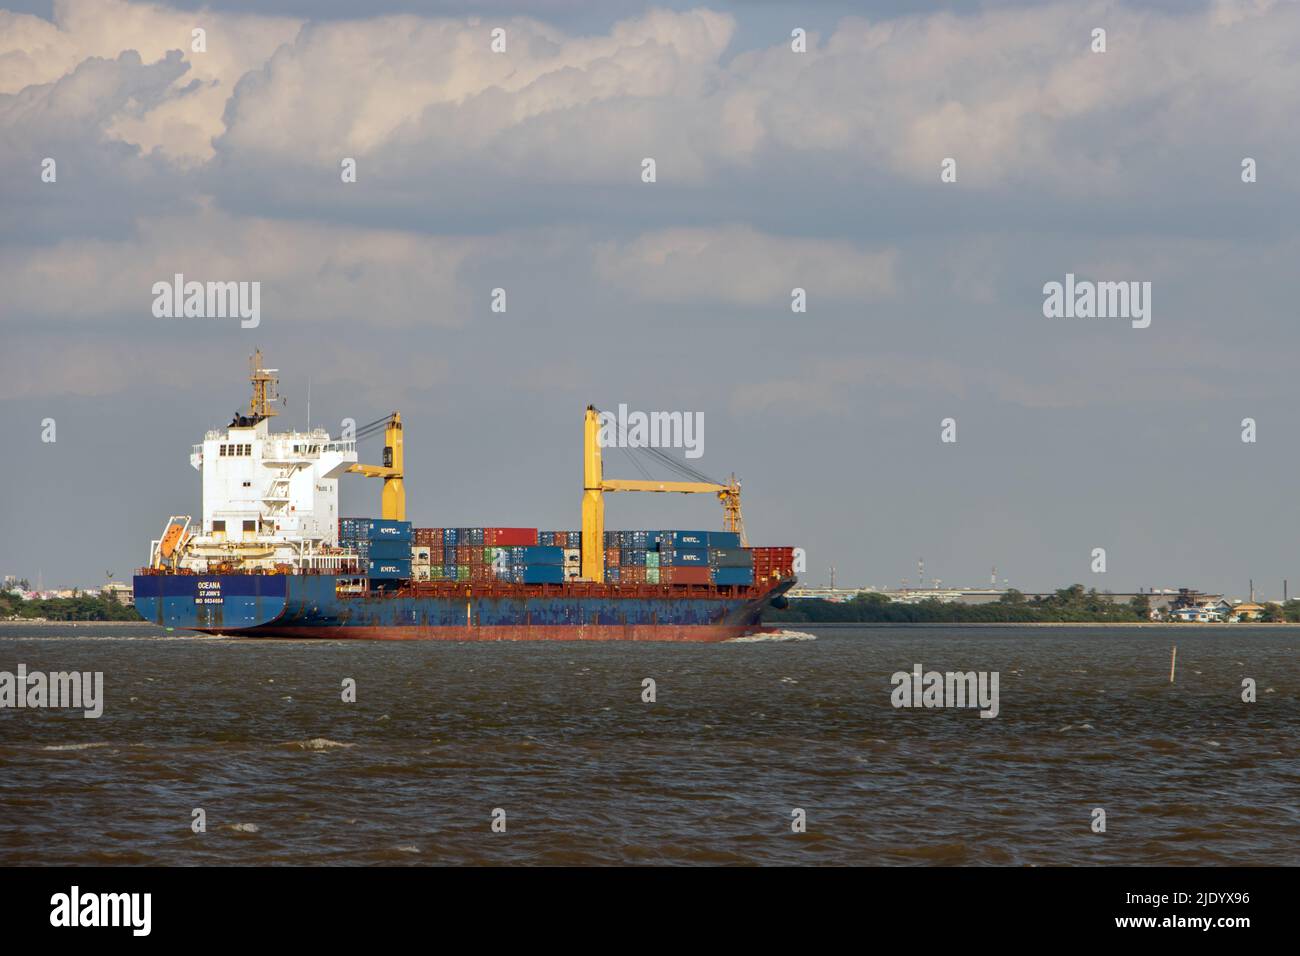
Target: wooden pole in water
[(1173, 661)]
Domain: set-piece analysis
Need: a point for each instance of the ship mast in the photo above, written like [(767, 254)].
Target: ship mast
[(264, 383)]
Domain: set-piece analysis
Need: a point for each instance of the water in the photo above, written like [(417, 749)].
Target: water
[(255, 733)]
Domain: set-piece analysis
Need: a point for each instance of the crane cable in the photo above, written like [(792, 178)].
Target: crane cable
[(681, 469)]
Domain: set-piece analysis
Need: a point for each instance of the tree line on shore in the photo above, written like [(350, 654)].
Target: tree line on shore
[(1067, 605), (81, 608)]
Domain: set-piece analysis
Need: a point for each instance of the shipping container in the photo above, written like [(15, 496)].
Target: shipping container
[(537, 555), (510, 536), (374, 529), (684, 575), (676, 540), (652, 559), (572, 556), (690, 557), (384, 549), (772, 564), (652, 575), (542, 574), (429, 537), (613, 557), (724, 539), (388, 569), (738, 577), (730, 558)]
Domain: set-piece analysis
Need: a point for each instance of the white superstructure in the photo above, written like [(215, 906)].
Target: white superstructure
[(269, 498)]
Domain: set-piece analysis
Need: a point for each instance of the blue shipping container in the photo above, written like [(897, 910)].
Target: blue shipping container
[(536, 554), (384, 548), (684, 557), (724, 539), (733, 576), (389, 569), (542, 574), (375, 529), (672, 540)]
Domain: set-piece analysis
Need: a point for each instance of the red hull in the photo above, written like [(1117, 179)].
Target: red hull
[(632, 632)]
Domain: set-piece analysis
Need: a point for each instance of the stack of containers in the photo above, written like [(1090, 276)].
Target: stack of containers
[(677, 557), (383, 545), (528, 564), (683, 557), (486, 555), (772, 564), (729, 563)]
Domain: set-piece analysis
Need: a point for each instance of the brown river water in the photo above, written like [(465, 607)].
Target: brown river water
[(740, 735)]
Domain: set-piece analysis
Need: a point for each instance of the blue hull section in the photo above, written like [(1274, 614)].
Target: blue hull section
[(307, 606), (213, 602)]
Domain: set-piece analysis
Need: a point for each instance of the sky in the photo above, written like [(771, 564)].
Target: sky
[(775, 169)]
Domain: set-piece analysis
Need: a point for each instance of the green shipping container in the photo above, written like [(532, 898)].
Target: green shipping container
[(652, 574), (652, 561), (462, 572)]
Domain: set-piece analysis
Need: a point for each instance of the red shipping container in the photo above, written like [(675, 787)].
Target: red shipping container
[(481, 574), (679, 575), (611, 557), (465, 554), (772, 563), (635, 575), (511, 537)]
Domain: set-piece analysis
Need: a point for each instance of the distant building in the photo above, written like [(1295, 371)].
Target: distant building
[(120, 592), (1247, 611), (1210, 612)]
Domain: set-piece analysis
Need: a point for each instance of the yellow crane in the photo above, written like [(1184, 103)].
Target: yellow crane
[(594, 486), (393, 499)]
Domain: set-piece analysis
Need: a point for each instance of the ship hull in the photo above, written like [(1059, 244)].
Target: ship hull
[(308, 606)]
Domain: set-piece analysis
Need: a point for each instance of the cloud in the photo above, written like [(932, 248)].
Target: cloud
[(309, 272), (35, 51), (738, 265)]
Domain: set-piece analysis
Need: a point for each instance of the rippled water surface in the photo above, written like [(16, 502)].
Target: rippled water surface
[(557, 735)]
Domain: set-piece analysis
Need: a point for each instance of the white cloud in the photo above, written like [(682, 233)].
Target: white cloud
[(309, 272), (741, 266)]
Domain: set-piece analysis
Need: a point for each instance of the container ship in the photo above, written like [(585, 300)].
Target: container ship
[(271, 557)]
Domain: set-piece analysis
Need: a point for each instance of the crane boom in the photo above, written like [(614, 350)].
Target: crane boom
[(595, 485), (393, 499)]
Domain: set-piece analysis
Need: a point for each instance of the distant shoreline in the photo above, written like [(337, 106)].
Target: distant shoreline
[(1163, 625), (28, 622)]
